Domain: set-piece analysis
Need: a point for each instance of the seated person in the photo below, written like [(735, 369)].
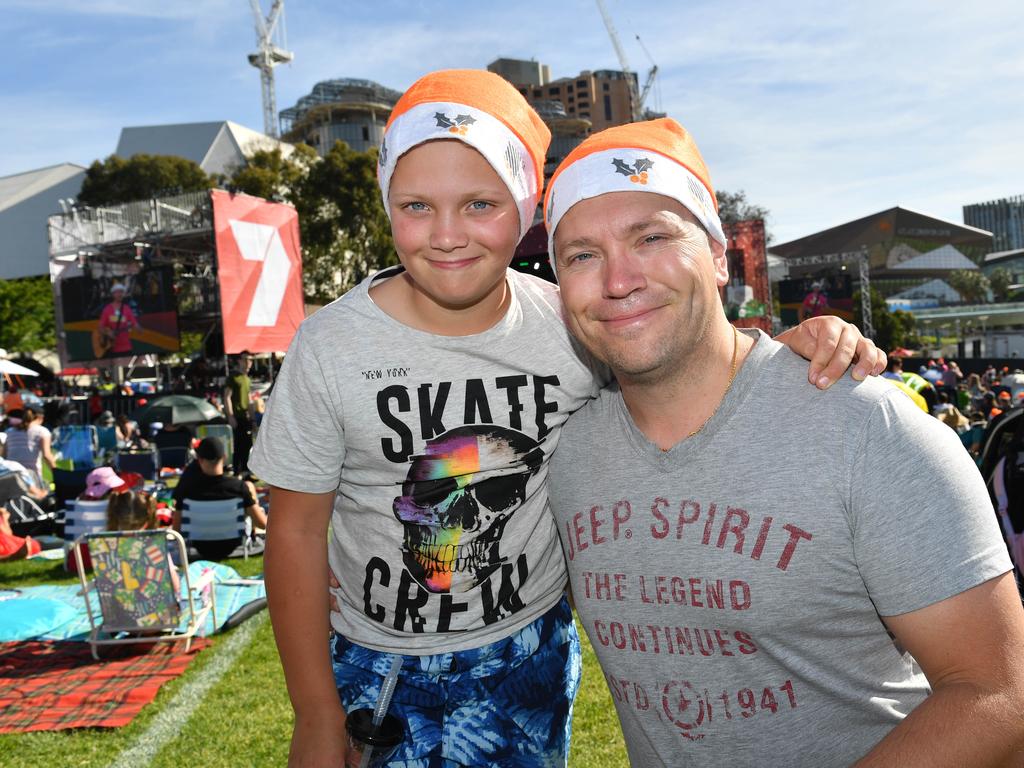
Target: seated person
[(20, 471), (14, 547), (205, 480), (135, 511), (102, 483), (170, 436)]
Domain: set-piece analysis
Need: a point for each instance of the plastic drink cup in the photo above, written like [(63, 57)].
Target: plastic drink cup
[(371, 745)]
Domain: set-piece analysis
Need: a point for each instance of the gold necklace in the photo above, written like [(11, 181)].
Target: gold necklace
[(728, 386)]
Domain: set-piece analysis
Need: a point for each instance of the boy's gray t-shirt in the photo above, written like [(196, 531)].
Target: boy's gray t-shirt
[(438, 449), (732, 586)]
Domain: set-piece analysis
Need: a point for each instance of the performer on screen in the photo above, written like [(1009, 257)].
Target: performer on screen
[(815, 303), (117, 320)]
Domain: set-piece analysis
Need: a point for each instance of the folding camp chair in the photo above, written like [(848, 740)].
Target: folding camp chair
[(134, 587), (81, 518), (77, 443), (27, 518), (174, 457), (106, 439), (67, 484), (145, 463), (215, 529)]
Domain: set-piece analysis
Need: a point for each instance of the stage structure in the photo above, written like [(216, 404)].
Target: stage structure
[(129, 279)]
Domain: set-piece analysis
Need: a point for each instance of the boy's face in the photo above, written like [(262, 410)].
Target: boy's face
[(454, 222)]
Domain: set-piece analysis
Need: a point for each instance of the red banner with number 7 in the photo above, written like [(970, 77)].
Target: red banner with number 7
[(259, 270)]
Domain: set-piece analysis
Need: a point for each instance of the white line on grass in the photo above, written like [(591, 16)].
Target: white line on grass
[(169, 722)]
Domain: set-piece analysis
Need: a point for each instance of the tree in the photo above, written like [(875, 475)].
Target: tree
[(272, 176), (734, 206), (1000, 281), (116, 180), (345, 231), (26, 315), (971, 284), (893, 329)]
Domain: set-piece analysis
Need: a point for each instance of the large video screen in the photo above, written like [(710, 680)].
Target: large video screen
[(120, 316), (813, 296)]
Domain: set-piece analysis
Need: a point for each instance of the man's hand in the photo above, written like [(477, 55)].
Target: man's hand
[(832, 344)]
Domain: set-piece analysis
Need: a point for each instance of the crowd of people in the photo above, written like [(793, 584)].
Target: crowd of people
[(30, 451)]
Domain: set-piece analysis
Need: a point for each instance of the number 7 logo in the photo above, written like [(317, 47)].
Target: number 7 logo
[(261, 242)]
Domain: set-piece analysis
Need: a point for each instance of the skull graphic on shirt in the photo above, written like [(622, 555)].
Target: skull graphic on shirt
[(457, 498)]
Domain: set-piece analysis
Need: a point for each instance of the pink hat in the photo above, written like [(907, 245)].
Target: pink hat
[(101, 481)]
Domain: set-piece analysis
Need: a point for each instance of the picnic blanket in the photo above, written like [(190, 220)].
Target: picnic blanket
[(57, 612), (49, 686)]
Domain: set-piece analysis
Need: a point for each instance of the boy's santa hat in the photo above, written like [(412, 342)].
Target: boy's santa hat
[(656, 156), (482, 110)]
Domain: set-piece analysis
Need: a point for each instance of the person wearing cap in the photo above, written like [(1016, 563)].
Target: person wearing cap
[(117, 321), (205, 480), (424, 439), (768, 574), (815, 303)]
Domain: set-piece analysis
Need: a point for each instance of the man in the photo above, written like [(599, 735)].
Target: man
[(759, 568), (239, 409), (815, 303), (117, 321), (205, 480)]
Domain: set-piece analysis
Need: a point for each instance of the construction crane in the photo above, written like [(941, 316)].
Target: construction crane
[(636, 97), (267, 57)]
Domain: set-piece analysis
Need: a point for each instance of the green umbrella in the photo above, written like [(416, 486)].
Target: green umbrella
[(176, 409)]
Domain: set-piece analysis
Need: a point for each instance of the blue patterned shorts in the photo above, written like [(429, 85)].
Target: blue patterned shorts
[(504, 704)]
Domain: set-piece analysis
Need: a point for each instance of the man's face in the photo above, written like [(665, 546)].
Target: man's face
[(454, 222), (639, 281)]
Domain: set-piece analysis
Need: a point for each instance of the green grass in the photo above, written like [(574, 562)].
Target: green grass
[(245, 719)]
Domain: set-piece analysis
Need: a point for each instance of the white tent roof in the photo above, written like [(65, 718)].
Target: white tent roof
[(946, 257), (217, 147), (26, 201), (21, 186)]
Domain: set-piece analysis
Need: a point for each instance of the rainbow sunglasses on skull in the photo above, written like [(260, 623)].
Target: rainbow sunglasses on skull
[(456, 500)]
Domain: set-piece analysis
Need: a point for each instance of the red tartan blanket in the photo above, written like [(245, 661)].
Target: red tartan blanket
[(49, 686)]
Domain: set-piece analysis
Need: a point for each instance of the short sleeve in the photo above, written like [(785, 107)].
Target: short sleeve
[(301, 443), (923, 525)]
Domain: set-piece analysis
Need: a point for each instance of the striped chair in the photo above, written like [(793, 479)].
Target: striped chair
[(215, 528), (82, 517)]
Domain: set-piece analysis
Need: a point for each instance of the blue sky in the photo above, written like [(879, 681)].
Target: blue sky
[(821, 111)]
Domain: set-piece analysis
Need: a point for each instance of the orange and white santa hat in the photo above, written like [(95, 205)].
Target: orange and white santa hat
[(486, 112), (657, 156)]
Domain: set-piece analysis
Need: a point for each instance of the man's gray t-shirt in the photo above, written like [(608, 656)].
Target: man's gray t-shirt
[(732, 586), (438, 448)]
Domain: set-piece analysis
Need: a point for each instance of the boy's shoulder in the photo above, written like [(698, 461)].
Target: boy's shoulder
[(533, 290), (353, 306)]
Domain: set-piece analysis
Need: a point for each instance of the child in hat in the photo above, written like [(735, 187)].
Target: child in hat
[(423, 440)]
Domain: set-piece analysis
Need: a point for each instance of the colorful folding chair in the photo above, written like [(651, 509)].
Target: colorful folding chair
[(133, 585)]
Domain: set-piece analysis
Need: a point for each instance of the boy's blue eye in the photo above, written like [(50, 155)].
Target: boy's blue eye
[(479, 205)]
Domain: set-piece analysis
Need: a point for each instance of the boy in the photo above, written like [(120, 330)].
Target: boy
[(421, 408)]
